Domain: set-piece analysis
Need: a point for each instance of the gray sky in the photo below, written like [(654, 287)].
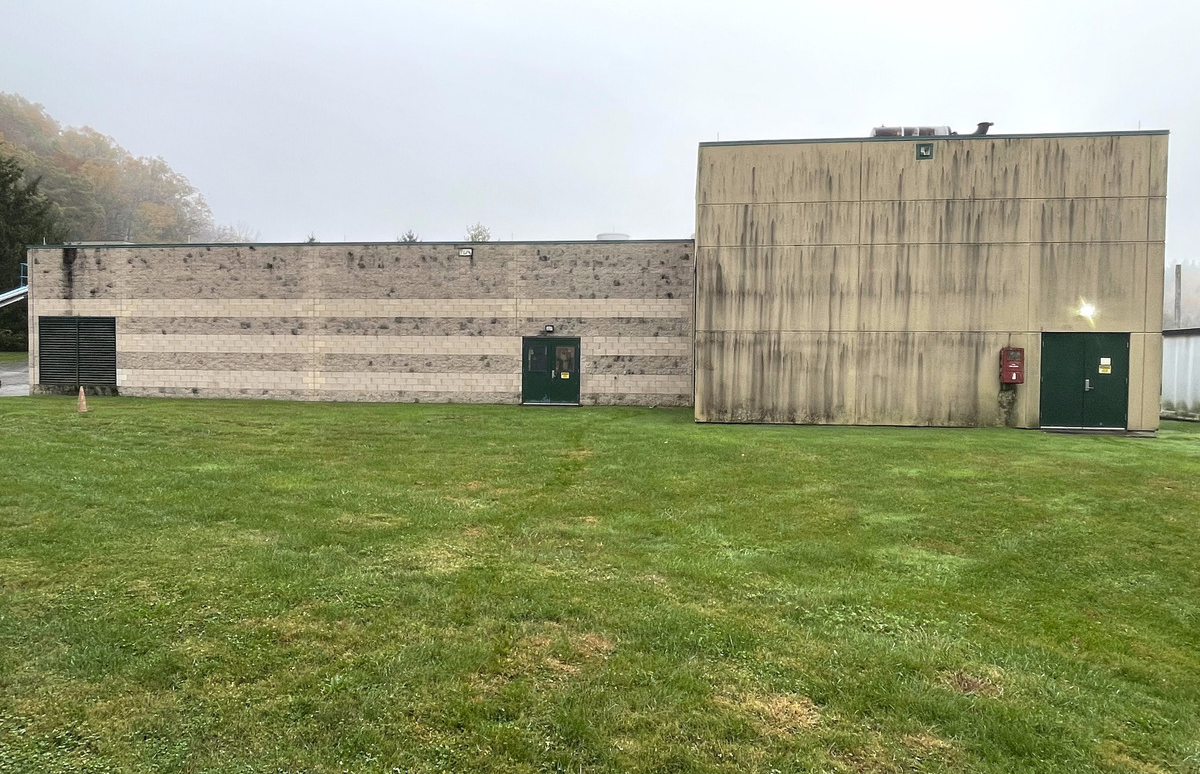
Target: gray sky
[(548, 120)]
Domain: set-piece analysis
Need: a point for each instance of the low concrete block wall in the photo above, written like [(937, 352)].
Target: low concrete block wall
[(378, 322)]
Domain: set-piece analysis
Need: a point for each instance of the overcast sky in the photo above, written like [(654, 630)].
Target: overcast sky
[(558, 120)]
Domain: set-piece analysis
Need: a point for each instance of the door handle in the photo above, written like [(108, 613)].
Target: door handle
[(1087, 385)]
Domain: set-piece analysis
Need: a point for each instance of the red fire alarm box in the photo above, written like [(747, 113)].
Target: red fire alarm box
[(1012, 365)]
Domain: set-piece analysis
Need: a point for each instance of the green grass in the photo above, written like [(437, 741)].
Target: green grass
[(13, 357), (258, 586)]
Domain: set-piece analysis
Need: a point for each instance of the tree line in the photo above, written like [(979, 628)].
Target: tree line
[(67, 184)]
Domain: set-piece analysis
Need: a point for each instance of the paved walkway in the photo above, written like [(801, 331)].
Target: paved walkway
[(14, 378)]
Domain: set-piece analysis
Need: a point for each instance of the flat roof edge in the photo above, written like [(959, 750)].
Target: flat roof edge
[(928, 138), (363, 244), (1169, 332)]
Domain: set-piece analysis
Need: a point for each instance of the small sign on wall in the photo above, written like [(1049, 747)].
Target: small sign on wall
[(465, 252), (1106, 365)]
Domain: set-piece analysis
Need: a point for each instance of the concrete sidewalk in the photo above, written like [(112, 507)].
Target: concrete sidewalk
[(14, 378)]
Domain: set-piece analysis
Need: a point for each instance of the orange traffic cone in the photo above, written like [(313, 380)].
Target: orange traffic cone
[(82, 402)]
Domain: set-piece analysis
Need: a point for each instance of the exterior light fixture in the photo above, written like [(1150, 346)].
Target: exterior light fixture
[(549, 329), (1087, 310)]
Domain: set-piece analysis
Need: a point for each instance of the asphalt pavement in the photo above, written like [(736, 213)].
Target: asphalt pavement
[(14, 378)]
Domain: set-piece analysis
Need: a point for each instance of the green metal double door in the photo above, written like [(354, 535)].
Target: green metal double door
[(1085, 380), (550, 371)]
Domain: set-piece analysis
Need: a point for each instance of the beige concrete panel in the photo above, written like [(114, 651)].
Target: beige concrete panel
[(215, 361), (228, 343), (1106, 166), (414, 271), (627, 270), (944, 288), (1156, 227), (1029, 394), (1134, 415), (34, 310), (370, 381), (195, 271), (412, 307), (1090, 220), (761, 225), (777, 288), (951, 220), (960, 169), (935, 379), (1156, 259), (680, 365), (551, 308), (420, 345), (774, 377), (629, 346), (1158, 165), (782, 172), (645, 384), (1067, 275), (1151, 380), (610, 327), (636, 399), (415, 396), (376, 363), (189, 378)]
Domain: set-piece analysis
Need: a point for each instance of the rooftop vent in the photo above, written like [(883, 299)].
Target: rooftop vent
[(910, 131)]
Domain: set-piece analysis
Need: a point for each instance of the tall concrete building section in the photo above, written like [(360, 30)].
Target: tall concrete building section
[(876, 280)]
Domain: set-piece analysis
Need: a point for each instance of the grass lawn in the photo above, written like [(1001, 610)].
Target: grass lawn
[(13, 357), (285, 587)]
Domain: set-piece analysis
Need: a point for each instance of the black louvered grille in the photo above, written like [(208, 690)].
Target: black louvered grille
[(97, 350), (77, 350), (58, 351)]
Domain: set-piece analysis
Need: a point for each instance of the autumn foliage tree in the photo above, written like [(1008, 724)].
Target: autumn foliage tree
[(99, 191)]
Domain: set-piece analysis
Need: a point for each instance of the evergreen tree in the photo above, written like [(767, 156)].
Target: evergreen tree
[(26, 217)]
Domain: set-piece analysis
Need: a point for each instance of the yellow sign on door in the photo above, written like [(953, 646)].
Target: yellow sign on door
[(1106, 365)]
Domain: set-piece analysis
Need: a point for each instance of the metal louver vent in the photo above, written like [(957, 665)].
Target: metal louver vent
[(77, 350)]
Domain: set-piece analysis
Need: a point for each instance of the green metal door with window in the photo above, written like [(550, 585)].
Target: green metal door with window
[(1085, 380), (550, 371)]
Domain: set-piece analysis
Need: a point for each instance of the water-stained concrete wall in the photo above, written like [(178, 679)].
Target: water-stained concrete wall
[(386, 322), (849, 282)]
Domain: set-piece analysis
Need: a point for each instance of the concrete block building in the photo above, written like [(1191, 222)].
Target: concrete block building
[(852, 281), (376, 322)]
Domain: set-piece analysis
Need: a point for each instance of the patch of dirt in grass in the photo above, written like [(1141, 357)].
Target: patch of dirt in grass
[(1116, 758), (924, 746), (578, 454), (552, 654), (973, 684), (593, 646), (20, 574), (777, 714), (444, 557), (373, 519), (867, 761)]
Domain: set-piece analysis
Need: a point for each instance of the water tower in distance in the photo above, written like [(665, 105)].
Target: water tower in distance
[(612, 236)]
